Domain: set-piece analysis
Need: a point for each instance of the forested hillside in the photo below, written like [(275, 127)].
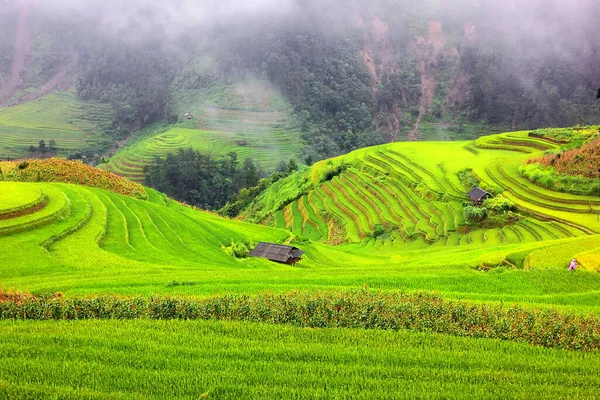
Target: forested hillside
[(354, 73)]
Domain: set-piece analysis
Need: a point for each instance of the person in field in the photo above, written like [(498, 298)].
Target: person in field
[(573, 265)]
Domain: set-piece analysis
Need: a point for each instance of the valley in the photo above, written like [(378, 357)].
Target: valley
[(424, 173)]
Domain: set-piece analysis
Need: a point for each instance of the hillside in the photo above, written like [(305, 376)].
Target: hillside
[(150, 286), (249, 118), (440, 259), (349, 75), (410, 195), (375, 203), (66, 125)]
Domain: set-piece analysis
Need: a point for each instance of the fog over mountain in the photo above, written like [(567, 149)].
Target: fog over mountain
[(355, 72)]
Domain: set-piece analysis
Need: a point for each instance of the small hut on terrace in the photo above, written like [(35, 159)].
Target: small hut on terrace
[(278, 253), (478, 195)]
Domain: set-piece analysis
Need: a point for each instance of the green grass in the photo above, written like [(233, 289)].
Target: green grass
[(101, 359)]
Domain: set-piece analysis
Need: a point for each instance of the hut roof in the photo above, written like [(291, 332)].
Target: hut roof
[(276, 252), (479, 194)]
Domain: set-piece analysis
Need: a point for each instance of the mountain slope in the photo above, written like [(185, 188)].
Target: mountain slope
[(353, 73), (82, 240), (410, 193)]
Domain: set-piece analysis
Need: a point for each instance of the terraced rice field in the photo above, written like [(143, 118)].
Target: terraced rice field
[(262, 136), (157, 246), (57, 116), (412, 193), (395, 208), (395, 217)]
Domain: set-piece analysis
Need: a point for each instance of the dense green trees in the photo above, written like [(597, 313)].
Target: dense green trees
[(323, 77), (135, 80), (199, 179), (202, 180)]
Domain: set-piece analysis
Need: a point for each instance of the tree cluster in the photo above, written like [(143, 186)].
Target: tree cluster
[(134, 80), (322, 76), (201, 180)]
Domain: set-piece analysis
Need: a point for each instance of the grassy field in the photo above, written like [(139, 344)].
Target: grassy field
[(72, 124), (178, 359), (390, 220)]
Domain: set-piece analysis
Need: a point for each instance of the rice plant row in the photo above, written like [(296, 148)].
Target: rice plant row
[(72, 125), (234, 360), (262, 136)]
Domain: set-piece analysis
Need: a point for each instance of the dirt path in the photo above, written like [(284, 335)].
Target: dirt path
[(22, 46), (50, 85), (427, 51)]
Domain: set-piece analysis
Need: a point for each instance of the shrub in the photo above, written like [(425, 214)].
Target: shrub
[(240, 250), (468, 179), (549, 178), (378, 231), (474, 215), (75, 172), (356, 309), (499, 205)]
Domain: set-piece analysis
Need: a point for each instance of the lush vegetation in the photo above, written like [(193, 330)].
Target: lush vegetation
[(366, 202), (60, 170), (573, 168), (391, 240), (583, 161), (225, 360), (200, 180), (387, 220), (133, 80), (364, 310), (550, 178), (330, 89), (415, 195), (576, 135)]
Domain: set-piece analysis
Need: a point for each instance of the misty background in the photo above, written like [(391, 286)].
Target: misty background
[(354, 73)]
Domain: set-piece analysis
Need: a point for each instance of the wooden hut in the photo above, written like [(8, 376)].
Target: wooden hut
[(478, 195), (277, 253)]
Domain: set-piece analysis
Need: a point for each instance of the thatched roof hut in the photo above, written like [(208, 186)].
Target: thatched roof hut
[(278, 253)]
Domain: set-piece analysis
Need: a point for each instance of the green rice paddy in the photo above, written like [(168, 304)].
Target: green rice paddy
[(71, 123), (392, 221), (191, 360), (261, 135)]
